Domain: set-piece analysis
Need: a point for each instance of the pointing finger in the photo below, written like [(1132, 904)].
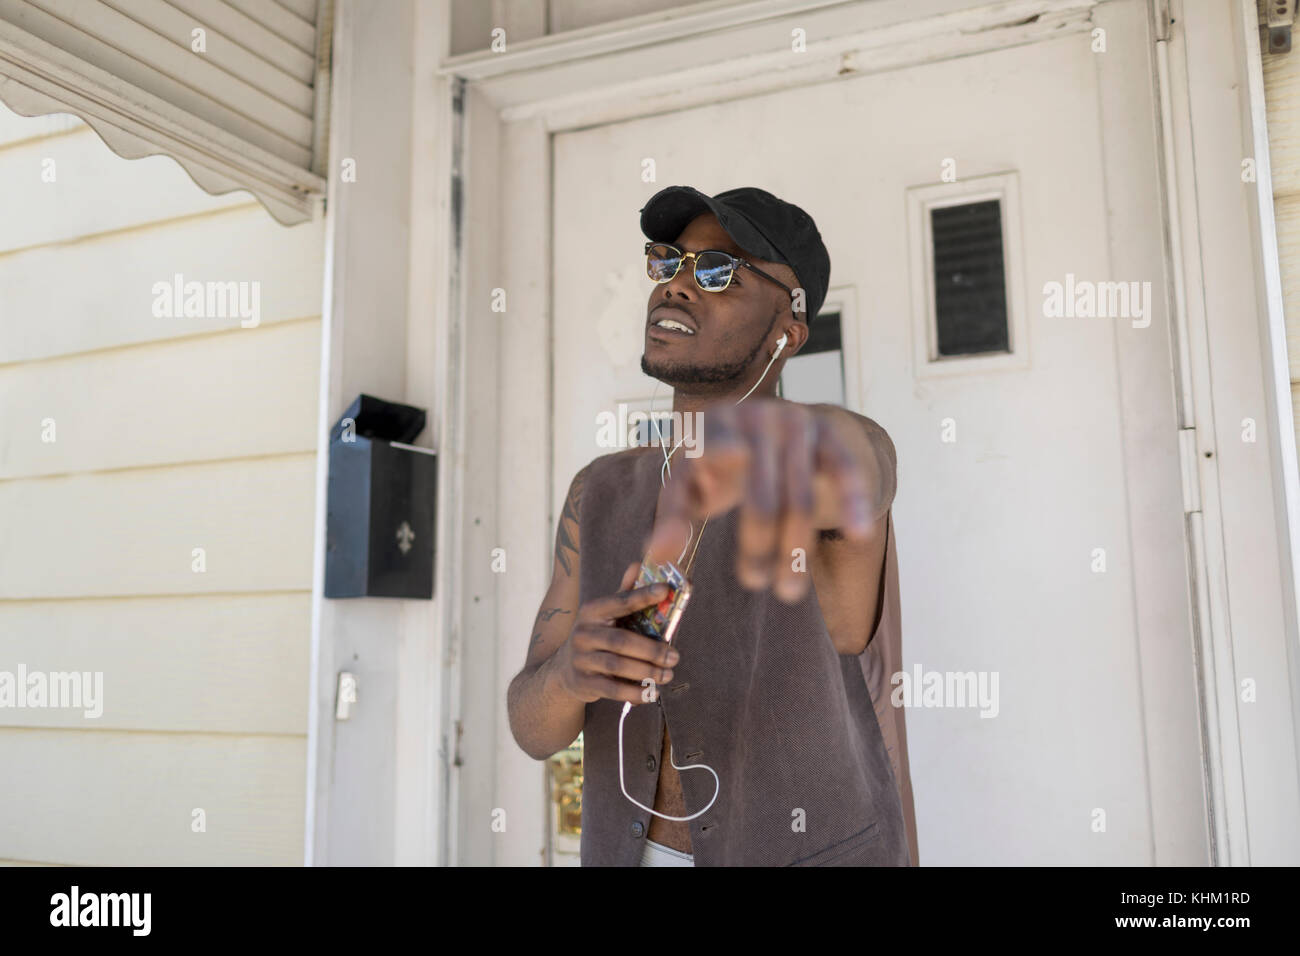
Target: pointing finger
[(672, 528)]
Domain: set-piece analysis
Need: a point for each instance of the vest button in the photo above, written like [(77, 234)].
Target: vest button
[(650, 764), (638, 830)]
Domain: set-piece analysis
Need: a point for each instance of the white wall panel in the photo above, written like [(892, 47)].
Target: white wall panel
[(231, 664), (89, 195), (97, 292), (134, 532), (102, 798), (169, 430), (245, 393)]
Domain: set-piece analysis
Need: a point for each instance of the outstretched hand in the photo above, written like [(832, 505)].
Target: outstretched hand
[(793, 469)]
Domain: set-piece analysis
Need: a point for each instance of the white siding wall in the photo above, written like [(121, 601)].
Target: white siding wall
[(171, 434), (1282, 97)]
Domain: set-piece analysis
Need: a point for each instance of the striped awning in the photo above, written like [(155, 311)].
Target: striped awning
[(236, 91)]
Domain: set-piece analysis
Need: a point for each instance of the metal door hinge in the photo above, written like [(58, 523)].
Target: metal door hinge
[(1276, 17)]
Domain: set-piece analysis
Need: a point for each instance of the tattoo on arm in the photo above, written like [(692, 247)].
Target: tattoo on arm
[(544, 615), (566, 540)]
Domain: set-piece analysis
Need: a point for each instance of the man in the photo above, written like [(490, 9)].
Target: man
[(777, 679)]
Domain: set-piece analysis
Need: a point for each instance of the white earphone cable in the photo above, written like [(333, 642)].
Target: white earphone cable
[(627, 707), (717, 788), (780, 344), (667, 454)]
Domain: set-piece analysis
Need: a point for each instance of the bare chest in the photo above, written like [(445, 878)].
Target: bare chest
[(669, 801)]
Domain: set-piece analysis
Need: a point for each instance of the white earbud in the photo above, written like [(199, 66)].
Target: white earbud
[(780, 345)]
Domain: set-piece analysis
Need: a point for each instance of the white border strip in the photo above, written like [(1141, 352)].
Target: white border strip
[(1268, 254)]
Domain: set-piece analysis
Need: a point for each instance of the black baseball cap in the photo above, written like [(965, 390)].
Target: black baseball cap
[(760, 223)]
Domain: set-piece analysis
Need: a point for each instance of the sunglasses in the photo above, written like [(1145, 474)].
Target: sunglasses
[(714, 269)]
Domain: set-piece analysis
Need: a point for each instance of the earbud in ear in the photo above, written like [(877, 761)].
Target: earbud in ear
[(780, 344)]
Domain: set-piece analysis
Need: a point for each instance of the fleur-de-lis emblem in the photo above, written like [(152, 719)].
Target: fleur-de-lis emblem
[(404, 537)]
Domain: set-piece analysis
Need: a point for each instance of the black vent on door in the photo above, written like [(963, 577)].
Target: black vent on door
[(970, 292)]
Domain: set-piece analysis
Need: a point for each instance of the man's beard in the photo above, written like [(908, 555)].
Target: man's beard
[(684, 373)]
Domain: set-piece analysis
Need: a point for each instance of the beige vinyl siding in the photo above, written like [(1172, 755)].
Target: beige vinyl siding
[(125, 799), (172, 434), (1282, 98)]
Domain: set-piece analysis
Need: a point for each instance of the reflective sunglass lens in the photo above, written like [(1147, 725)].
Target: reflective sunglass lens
[(662, 263), (713, 271)]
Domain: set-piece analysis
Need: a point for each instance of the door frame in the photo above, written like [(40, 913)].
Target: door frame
[(515, 101)]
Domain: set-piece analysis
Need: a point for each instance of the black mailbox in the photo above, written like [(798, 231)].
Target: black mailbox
[(382, 491)]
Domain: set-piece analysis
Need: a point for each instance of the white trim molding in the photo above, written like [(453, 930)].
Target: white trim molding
[(1266, 247), (711, 52), (1235, 494)]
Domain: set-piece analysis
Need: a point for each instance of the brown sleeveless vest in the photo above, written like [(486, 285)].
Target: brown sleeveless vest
[(761, 695)]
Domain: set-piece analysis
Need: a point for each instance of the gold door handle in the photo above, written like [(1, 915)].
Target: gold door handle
[(565, 772)]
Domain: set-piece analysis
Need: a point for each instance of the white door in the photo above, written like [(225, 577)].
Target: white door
[(1023, 557)]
